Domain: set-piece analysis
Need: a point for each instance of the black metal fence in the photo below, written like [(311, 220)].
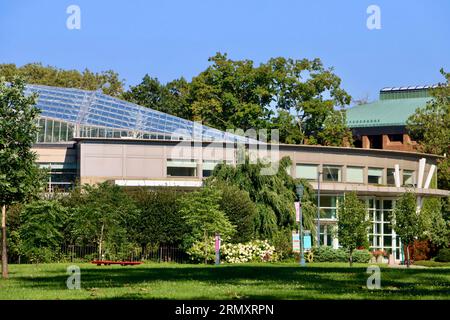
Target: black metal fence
[(76, 253)]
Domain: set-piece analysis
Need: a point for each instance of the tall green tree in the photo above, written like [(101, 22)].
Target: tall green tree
[(430, 126), (406, 222), (231, 94), (36, 73), (41, 227), (435, 228), (274, 195), (310, 91), (352, 224), (201, 213), (102, 215), (240, 210), (19, 175), (159, 220), (169, 98)]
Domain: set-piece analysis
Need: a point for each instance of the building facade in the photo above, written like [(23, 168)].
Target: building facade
[(88, 137), (382, 124)]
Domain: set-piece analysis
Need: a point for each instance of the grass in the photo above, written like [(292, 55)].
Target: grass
[(433, 264), (245, 281)]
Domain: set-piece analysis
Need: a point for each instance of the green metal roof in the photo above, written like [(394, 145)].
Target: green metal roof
[(385, 112)]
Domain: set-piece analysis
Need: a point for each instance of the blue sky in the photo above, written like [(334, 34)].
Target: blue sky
[(170, 39)]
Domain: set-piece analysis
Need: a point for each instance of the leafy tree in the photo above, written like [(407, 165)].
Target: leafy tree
[(19, 175), (159, 220), (35, 73), (296, 96), (240, 210), (352, 224), (201, 213), (41, 225), (310, 92), (434, 227), (274, 195), (168, 98), (230, 94), (430, 126), (405, 221), (102, 215)]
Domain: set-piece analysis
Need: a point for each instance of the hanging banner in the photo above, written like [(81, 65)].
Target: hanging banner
[(297, 211), (295, 242)]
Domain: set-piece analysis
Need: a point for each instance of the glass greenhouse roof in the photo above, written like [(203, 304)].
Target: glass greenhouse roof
[(95, 109)]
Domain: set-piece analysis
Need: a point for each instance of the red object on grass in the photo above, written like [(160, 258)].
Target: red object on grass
[(109, 262)]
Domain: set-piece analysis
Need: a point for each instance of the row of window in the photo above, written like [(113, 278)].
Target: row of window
[(332, 173)]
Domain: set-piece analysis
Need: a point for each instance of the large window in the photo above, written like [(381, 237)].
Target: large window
[(181, 168), (332, 173), (390, 179), (62, 176), (355, 174), (329, 206), (54, 131), (381, 234), (408, 178), (306, 171), (375, 176)]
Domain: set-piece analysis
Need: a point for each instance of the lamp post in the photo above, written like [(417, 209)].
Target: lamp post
[(318, 208), (299, 191)]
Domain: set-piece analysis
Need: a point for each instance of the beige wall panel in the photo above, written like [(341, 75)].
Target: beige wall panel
[(144, 168)]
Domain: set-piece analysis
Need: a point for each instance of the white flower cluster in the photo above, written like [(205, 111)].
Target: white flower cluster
[(253, 251)]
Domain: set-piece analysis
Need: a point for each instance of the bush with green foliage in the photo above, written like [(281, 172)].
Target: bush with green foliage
[(361, 256), (40, 230), (328, 254), (202, 251), (159, 221), (240, 210), (443, 255)]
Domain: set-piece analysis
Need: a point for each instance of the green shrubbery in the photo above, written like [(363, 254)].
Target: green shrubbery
[(328, 254), (443, 255)]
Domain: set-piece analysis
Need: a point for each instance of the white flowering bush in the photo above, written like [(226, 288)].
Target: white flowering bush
[(253, 251)]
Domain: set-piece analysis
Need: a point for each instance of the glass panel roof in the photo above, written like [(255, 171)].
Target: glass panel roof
[(97, 109)]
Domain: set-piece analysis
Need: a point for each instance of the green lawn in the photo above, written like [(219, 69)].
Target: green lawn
[(248, 281)]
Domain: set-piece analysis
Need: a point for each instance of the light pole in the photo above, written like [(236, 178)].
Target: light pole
[(318, 208), (299, 190)]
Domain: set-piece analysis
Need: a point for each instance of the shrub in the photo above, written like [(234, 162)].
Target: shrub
[(240, 210), (198, 252), (443, 255), (328, 254), (361, 256), (282, 241), (253, 251)]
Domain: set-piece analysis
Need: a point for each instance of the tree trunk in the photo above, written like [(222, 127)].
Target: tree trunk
[(100, 243), (407, 256), (4, 247)]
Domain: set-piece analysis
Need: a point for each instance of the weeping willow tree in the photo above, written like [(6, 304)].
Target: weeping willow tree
[(274, 195)]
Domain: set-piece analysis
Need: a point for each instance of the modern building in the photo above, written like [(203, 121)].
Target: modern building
[(89, 137), (382, 124)]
